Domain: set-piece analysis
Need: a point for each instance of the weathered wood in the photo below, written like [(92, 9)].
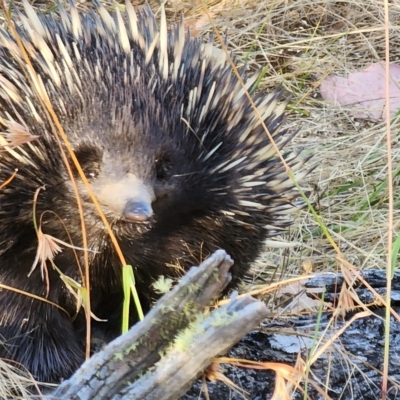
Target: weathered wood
[(109, 374), (174, 373), (375, 278)]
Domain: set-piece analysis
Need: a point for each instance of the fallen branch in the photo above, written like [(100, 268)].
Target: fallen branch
[(131, 365)]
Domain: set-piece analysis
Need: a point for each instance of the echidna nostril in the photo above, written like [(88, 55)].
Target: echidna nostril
[(137, 211)]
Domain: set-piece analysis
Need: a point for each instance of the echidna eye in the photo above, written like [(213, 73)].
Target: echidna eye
[(89, 158), (92, 171), (163, 168)]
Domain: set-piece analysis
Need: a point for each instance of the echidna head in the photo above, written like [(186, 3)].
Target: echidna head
[(146, 170)]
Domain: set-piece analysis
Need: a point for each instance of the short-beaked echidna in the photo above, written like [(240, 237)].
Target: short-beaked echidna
[(173, 150)]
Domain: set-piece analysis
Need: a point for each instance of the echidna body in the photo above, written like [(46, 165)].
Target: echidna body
[(173, 150)]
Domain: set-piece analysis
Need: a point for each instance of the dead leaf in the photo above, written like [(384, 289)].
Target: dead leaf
[(17, 134), (301, 301), (364, 91)]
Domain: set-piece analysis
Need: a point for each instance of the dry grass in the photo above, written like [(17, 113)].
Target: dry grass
[(299, 43)]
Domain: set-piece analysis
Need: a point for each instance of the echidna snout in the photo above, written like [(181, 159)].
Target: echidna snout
[(129, 198), (137, 211)]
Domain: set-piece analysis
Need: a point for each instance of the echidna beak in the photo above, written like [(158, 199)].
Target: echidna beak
[(128, 198), (137, 211)]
